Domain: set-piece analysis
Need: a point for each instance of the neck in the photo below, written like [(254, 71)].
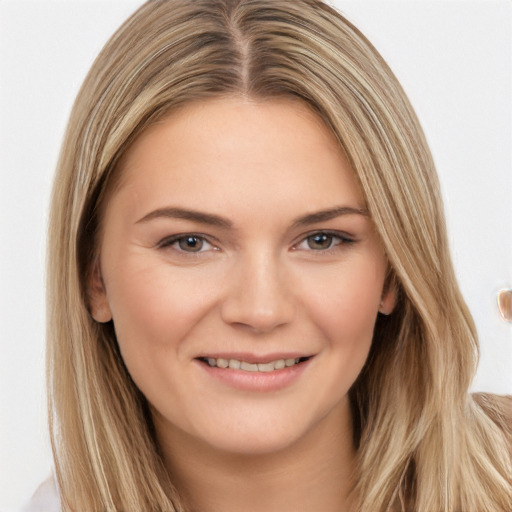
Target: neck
[(311, 475)]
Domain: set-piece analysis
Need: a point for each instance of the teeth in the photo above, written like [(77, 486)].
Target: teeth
[(248, 367), (266, 367), (280, 364), (235, 364)]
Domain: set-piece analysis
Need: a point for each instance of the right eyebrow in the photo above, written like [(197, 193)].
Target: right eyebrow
[(183, 213)]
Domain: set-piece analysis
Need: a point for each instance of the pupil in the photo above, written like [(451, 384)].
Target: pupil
[(321, 241), (190, 243)]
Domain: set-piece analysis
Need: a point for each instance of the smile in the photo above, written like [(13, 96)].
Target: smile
[(236, 364)]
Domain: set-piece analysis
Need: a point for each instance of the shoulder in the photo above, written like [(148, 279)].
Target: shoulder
[(45, 499), (499, 409)]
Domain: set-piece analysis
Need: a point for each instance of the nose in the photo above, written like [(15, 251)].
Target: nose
[(258, 295)]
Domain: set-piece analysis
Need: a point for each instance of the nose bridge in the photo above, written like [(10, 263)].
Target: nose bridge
[(258, 294)]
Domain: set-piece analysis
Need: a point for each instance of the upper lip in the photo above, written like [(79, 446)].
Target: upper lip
[(254, 358)]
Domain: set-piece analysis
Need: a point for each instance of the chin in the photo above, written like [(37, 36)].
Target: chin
[(249, 432), (254, 443), (269, 431)]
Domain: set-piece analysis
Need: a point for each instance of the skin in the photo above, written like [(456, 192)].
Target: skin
[(256, 283)]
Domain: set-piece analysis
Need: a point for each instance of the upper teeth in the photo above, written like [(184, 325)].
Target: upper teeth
[(235, 364)]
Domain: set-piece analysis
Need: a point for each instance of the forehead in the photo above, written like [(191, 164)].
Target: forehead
[(239, 149)]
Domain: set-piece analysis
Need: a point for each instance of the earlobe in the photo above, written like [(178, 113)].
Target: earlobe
[(98, 302), (389, 297), (388, 302)]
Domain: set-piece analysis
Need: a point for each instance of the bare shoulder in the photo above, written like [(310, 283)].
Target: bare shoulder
[(498, 408)]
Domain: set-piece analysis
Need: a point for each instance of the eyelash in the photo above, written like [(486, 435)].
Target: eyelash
[(342, 240), (171, 241)]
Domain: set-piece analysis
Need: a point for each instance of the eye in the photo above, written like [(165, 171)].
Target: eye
[(187, 243), (190, 243), (323, 241), (319, 241)]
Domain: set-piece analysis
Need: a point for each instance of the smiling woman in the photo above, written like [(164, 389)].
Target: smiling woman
[(251, 301), (227, 311)]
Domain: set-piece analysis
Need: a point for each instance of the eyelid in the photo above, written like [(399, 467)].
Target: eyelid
[(169, 241), (344, 237)]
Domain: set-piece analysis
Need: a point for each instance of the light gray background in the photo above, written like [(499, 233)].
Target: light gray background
[(454, 59)]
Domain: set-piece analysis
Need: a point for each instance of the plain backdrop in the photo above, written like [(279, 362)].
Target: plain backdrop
[(454, 59)]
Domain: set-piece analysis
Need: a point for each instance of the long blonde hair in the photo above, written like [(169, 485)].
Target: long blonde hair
[(423, 443)]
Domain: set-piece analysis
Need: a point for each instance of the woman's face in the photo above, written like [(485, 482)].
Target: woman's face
[(242, 273)]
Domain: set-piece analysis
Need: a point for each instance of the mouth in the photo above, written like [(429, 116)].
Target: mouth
[(251, 366)]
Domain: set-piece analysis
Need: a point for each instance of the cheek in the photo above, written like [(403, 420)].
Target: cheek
[(154, 307), (154, 310), (347, 304), (343, 310)]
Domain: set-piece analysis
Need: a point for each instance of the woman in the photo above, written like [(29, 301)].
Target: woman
[(251, 300)]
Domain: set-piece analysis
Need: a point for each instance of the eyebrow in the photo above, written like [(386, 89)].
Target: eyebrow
[(216, 220), (182, 213), (328, 214)]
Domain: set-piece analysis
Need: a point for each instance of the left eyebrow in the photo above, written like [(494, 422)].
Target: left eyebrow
[(328, 214)]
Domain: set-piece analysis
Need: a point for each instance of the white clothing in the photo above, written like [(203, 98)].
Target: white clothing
[(45, 499)]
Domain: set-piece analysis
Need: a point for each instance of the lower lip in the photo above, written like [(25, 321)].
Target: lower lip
[(261, 382)]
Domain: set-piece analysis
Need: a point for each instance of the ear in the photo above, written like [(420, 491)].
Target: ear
[(388, 302), (389, 296), (98, 302)]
